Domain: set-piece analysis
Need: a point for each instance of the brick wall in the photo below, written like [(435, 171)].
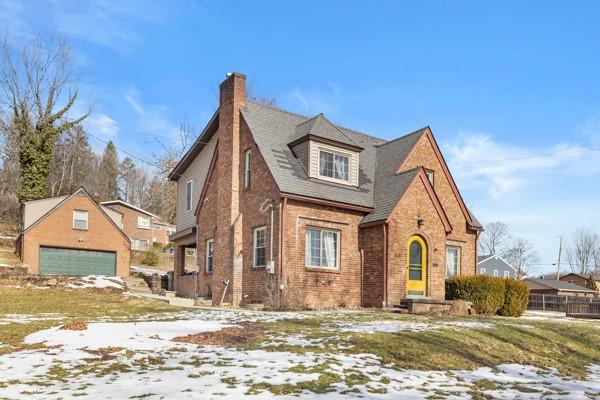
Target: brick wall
[(402, 226), (372, 243), (424, 155), (130, 223), (319, 288), (56, 230)]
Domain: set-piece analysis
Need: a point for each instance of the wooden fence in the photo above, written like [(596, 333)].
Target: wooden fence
[(583, 310), (547, 302)]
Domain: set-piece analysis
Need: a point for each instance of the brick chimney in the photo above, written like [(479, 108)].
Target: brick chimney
[(228, 246)]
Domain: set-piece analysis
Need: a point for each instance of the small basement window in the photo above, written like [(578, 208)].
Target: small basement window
[(80, 220)]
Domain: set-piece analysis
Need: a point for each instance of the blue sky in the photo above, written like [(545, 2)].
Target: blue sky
[(510, 89)]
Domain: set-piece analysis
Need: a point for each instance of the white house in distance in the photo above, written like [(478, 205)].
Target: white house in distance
[(494, 265)]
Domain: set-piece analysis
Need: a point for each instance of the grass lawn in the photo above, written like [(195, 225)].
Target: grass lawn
[(45, 306), (8, 257), (174, 351)]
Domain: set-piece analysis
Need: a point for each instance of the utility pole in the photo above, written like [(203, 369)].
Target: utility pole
[(558, 262)]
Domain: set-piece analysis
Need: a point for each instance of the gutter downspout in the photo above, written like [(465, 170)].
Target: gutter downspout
[(385, 265), (281, 246), (197, 265)]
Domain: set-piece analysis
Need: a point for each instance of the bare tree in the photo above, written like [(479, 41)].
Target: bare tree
[(163, 193), (583, 252), (36, 89), (494, 239), (521, 255)]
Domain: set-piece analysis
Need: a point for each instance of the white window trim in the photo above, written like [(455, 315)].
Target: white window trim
[(135, 244), (86, 220), (458, 259), (254, 233), (141, 226), (496, 273), (307, 249), (482, 271), (247, 169), (210, 242), (507, 274), (188, 207), (334, 152)]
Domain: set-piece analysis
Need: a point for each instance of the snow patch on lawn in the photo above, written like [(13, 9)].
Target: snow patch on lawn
[(154, 335), (96, 282), (27, 318), (145, 362), (148, 271)]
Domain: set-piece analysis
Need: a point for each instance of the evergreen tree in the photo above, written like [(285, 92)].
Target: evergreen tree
[(109, 173)]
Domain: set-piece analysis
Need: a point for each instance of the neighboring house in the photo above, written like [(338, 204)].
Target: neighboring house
[(582, 280), (142, 227), (494, 265), (557, 288), (73, 235), (286, 206), (161, 232)]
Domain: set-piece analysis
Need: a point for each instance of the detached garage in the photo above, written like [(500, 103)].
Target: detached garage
[(73, 235)]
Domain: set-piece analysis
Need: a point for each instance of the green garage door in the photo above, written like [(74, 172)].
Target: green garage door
[(57, 261)]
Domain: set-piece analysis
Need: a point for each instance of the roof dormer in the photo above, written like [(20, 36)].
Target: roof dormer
[(326, 152)]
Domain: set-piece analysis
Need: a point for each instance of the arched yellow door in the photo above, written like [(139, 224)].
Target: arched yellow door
[(417, 267)]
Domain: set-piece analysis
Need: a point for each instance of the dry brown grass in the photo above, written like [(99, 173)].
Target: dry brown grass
[(243, 334), (74, 326)]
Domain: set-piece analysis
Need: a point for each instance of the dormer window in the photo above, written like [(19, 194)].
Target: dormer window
[(334, 165)]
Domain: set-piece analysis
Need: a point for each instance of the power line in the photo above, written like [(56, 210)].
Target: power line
[(125, 151)]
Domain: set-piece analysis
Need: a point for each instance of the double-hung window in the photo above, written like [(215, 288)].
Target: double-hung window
[(506, 274), (495, 272), (139, 244), (322, 248), (80, 219), (334, 165), (143, 222), (452, 261), (260, 246), (188, 195), (210, 248), (247, 169)]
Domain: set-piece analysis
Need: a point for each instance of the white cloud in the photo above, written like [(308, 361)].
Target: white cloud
[(101, 125), (478, 160), (152, 119), (309, 102)]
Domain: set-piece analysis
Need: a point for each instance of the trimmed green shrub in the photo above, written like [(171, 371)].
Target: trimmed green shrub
[(485, 292), (151, 258), (516, 297)]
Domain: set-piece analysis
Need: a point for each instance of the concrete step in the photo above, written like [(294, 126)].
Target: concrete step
[(181, 302)]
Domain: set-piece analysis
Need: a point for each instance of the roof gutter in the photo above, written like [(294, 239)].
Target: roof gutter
[(324, 202)]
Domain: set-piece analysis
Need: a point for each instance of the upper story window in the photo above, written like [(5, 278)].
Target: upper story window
[(452, 261), (210, 246), (322, 248), (334, 165), (260, 246), (80, 219), (143, 222), (430, 175), (188, 195), (247, 169)]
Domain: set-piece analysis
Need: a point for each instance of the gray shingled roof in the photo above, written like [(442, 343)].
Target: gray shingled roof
[(559, 285), (320, 126), (379, 187), (273, 129)]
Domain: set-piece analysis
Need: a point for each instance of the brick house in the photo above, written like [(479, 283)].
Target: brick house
[(279, 204), (142, 227), (72, 235)]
